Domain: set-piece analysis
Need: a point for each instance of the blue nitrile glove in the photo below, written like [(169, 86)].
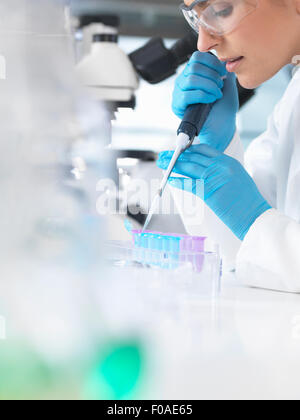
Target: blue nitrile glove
[(228, 189), (201, 82)]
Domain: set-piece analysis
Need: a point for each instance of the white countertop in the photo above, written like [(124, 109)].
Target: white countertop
[(246, 347)]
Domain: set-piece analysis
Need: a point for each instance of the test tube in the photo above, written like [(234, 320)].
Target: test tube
[(145, 248), (152, 248), (174, 251), (185, 248), (158, 249), (183, 239), (198, 250), (165, 250), (166, 243), (198, 243)]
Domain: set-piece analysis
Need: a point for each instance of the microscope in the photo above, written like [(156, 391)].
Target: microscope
[(102, 66)]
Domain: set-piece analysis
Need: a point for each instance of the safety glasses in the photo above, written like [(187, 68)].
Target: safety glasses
[(219, 17)]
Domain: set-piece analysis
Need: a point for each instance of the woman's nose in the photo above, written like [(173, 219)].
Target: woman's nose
[(207, 41)]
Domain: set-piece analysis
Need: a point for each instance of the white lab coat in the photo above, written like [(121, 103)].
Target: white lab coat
[(269, 256)]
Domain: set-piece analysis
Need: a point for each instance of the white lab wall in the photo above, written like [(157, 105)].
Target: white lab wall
[(152, 126)]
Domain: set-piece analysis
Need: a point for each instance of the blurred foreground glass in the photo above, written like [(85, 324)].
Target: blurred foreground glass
[(52, 139)]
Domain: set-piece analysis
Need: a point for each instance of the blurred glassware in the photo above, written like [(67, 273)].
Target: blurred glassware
[(51, 158)]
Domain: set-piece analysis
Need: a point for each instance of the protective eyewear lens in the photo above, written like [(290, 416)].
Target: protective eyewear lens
[(218, 16)]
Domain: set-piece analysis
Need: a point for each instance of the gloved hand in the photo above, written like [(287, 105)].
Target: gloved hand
[(201, 82), (228, 189)]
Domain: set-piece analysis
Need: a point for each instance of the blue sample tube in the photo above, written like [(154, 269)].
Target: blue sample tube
[(174, 251), (166, 243), (165, 250), (145, 248), (151, 249), (159, 250)]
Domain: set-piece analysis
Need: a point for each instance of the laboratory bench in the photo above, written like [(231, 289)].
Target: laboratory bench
[(244, 345)]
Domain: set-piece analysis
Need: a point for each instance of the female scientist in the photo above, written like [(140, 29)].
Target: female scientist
[(253, 39)]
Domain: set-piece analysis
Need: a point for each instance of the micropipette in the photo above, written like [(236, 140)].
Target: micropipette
[(190, 127)]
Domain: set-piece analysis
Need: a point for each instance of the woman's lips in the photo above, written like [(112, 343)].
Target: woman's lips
[(232, 65)]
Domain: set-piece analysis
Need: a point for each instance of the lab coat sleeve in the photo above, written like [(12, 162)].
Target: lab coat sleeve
[(269, 255)]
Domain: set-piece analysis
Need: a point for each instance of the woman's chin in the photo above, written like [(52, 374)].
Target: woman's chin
[(248, 82)]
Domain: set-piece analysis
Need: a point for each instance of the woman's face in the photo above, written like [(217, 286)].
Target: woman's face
[(267, 40)]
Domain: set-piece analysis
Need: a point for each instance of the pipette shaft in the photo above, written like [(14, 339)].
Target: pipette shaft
[(190, 127), (183, 140)]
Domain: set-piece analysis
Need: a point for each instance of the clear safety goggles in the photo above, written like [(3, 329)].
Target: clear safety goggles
[(218, 17)]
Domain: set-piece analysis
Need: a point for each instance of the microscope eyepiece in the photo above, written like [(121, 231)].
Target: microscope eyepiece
[(155, 63)]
